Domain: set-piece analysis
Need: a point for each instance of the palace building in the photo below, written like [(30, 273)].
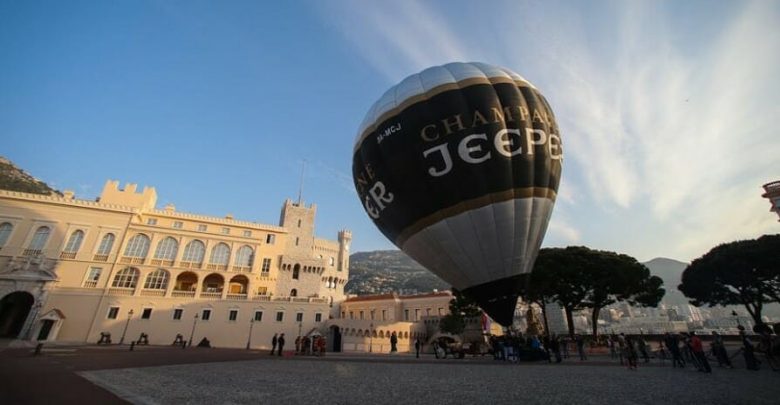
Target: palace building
[(74, 270)]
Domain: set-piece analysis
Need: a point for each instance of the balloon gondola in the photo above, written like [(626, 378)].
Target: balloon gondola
[(459, 167)]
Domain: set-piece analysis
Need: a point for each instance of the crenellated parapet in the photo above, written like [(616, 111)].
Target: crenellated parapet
[(127, 196)]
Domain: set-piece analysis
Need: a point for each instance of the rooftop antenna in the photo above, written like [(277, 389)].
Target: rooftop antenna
[(300, 189)]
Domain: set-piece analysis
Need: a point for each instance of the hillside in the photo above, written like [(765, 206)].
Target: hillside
[(384, 271), (15, 179)]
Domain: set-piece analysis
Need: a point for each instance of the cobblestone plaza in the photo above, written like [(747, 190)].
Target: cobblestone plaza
[(392, 380)]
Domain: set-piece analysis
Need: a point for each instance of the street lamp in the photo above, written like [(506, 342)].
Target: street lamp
[(194, 322), (371, 338), (249, 339), (129, 315)]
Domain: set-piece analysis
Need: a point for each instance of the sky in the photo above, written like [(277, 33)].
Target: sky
[(667, 109)]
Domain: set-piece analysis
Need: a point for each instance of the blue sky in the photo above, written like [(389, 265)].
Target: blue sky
[(668, 110)]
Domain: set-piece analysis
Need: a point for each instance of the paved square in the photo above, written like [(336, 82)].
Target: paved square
[(373, 381)]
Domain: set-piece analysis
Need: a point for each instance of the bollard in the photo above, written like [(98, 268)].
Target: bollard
[(38, 349), (132, 345)]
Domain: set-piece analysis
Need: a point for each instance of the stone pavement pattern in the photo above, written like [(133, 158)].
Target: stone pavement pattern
[(345, 381)]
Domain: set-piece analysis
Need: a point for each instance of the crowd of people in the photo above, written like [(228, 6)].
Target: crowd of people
[(310, 345), (682, 349), (304, 345)]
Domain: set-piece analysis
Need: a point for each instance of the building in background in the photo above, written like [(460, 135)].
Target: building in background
[(71, 270), (772, 193)]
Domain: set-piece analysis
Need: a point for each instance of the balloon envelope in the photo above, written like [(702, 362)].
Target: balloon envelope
[(459, 166)]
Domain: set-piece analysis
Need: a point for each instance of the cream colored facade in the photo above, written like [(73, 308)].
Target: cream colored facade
[(366, 323), (71, 269)]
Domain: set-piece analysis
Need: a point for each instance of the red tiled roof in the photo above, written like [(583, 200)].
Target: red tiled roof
[(428, 295)]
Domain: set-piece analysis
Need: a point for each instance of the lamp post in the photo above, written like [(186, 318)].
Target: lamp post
[(249, 339), (129, 315), (194, 322), (371, 338)]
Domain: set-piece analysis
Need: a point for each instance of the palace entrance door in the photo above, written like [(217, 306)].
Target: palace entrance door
[(14, 309)]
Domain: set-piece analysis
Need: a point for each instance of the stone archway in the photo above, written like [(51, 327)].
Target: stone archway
[(14, 310)]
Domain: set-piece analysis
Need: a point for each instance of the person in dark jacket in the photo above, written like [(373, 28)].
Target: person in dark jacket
[(748, 350), (280, 342), (274, 342)]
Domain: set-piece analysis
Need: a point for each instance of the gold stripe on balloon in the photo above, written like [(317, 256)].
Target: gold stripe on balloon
[(472, 204)]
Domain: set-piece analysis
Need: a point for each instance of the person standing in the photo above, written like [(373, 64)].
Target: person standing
[(322, 345), (280, 342), (719, 349), (580, 346), (748, 350), (547, 348), (766, 344), (673, 344), (274, 342), (417, 346), (698, 352), (631, 355), (555, 346), (611, 344), (393, 343), (643, 349)]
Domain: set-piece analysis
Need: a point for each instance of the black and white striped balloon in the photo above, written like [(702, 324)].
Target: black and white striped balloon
[(459, 166)]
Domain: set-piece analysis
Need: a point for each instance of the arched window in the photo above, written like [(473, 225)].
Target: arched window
[(39, 238), (296, 271), (293, 292), (126, 278), (157, 280), (138, 246), (166, 249), (194, 252), (74, 242), (220, 254), (245, 256), (5, 232), (106, 244)]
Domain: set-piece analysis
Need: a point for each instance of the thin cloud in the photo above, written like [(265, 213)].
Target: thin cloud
[(664, 134), (561, 231), (396, 38)]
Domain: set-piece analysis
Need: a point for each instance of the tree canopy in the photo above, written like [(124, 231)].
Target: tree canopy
[(745, 272), (461, 309), (577, 277)]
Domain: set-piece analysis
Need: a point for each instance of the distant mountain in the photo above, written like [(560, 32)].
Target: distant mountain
[(384, 271), (15, 179), (670, 272)]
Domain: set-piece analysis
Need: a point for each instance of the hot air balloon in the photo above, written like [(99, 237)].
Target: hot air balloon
[(459, 167)]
